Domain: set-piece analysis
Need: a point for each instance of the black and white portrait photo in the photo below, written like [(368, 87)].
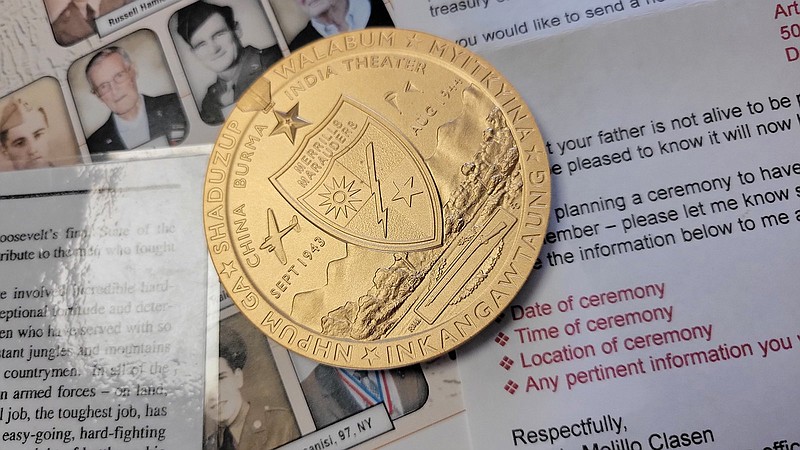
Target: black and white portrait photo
[(223, 46), (247, 408)]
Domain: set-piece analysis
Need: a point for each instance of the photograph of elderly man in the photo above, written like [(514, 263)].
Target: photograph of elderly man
[(135, 118)]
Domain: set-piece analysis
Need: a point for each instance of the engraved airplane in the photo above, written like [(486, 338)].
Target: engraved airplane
[(274, 232)]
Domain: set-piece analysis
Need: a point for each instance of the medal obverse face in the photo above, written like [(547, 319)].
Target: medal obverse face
[(376, 198)]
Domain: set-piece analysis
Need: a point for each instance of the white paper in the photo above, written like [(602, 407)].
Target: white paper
[(486, 24), (671, 322), (356, 429), (452, 432), (102, 306)]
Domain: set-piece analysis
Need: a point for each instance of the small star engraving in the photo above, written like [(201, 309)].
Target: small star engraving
[(228, 269), (406, 192), (370, 354), (413, 41), (289, 122)]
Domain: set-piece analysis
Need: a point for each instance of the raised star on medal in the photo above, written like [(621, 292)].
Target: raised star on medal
[(405, 192), (371, 354), (228, 269), (413, 41), (289, 122)]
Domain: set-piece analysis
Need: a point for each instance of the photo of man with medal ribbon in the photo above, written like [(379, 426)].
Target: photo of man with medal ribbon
[(333, 393)]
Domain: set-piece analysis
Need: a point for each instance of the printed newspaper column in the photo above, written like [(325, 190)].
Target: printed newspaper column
[(102, 306), (665, 313)]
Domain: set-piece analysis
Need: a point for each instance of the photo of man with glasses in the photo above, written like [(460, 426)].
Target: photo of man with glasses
[(135, 118)]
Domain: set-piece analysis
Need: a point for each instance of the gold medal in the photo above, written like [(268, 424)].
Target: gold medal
[(376, 198)]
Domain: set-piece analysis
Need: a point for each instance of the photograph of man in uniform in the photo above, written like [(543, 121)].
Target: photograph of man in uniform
[(24, 138), (330, 17), (75, 21), (214, 37), (234, 421), (333, 394), (135, 118)]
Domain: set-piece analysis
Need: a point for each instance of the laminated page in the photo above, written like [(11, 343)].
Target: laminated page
[(102, 307)]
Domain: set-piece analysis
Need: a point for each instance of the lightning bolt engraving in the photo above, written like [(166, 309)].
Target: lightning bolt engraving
[(381, 213)]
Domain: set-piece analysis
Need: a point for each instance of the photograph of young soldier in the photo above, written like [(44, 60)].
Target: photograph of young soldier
[(245, 412), (24, 137), (36, 129), (74, 20), (135, 118), (333, 394), (215, 38), (330, 17)]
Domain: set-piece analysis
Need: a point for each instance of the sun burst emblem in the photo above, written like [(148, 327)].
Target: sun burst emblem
[(340, 198)]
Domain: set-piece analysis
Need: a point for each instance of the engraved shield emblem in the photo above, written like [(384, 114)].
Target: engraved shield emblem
[(361, 181)]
